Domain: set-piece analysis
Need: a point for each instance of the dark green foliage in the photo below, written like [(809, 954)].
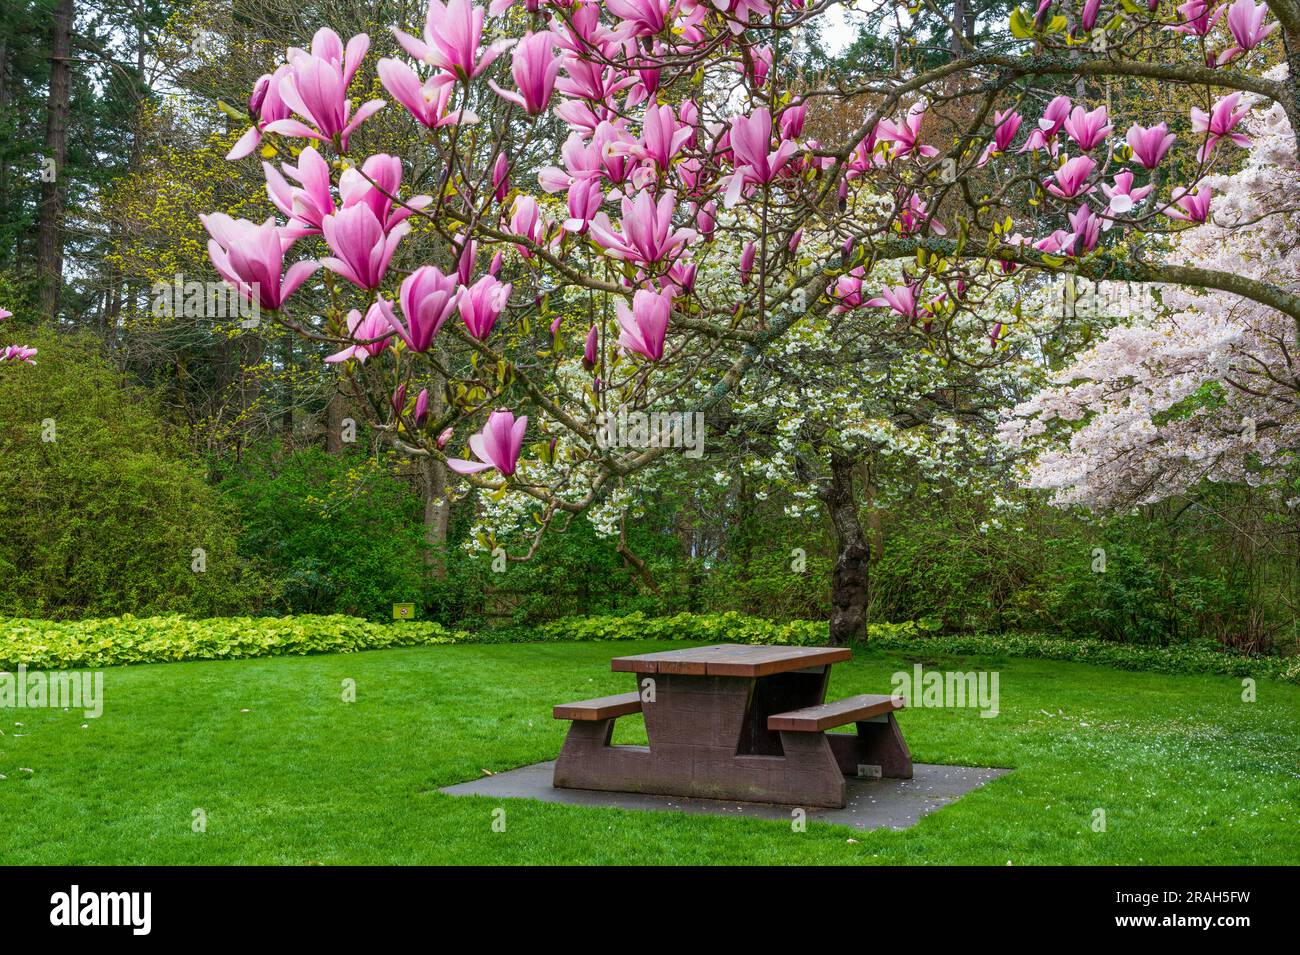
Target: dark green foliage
[(106, 517), (342, 534)]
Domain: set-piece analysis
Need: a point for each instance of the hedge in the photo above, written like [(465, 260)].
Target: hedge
[(114, 641)]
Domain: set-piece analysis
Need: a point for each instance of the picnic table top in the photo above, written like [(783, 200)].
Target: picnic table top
[(730, 659)]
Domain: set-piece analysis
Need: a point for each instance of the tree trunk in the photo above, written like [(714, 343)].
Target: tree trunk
[(959, 17), (286, 413), (437, 513), (849, 578), (437, 509), (49, 241), (334, 409), (4, 160)]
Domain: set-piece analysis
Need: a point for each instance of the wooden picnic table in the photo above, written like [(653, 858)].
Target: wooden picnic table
[(733, 722)]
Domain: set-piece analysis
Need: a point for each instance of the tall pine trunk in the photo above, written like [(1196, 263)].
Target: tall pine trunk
[(49, 235)]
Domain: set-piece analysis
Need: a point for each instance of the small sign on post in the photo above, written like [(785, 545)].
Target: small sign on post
[(403, 611)]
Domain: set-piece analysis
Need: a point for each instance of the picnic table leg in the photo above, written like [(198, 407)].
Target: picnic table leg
[(588, 761), (811, 775), (878, 745)]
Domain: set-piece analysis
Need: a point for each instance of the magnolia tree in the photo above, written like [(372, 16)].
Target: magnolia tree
[(689, 229), (1209, 389)]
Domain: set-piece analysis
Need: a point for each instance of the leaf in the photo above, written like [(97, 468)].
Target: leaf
[(1021, 26)]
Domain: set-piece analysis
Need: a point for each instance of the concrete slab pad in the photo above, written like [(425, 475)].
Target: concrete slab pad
[(872, 803)]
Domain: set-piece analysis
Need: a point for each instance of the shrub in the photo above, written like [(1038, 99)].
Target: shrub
[(342, 533), (114, 641), (103, 513)]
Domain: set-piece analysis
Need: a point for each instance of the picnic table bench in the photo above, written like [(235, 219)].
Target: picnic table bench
[(733, 722)]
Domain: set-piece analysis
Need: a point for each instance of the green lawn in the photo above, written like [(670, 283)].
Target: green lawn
[(1186, 771)]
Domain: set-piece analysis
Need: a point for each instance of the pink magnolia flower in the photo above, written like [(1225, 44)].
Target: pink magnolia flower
[(585, 199), (747, 262), (901, 298), (1123, 197), (443, 438), (535, 68), (1054, 117), (647, 234), (756, 162), (265, 106), (371, 333), (643, 326), (1198, 16), (482, 304), (1149, 145), (526, 221), (1088, 129), (250, 257), (496, 446), (1088, 18), (906, 134), (1071, 177), (421, 407), (316, 88), (915, 216), (680, 276), (501, 177), (427, 101), (18, 353), (1219, 124), (589, 350), (5, 313), (847, 291), (1087, 230), (1190, 206), (1054, 242), (706, 220), (1246, 24), (581, 161), (792, 120), (305, 207), (1039, 140), (376, 185), (663, 137), (640, 17), (361, 247), (1006, 124), (453, 34), (468, 256), (759, 63), (427, 299)]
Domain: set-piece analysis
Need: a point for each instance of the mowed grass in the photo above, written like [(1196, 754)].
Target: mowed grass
[(287, 772)]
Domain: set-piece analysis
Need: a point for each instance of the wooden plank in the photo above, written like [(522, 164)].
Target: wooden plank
[(601, 708), (779, 660), (734, 660), (812, 719)]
